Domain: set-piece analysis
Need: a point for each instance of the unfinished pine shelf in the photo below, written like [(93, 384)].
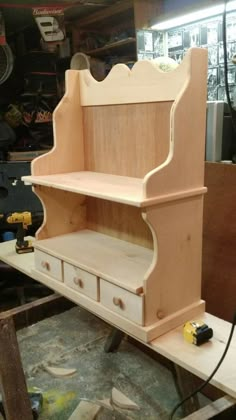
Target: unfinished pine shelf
[(122, 192)]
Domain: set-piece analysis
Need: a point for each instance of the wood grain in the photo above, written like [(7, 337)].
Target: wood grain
[(174, 279), (13, 385), (64, 212), (140, 141), (202, 360), (215, 410), (118, 220), (219, 240), (67, 154), (121, 147), (143, 84), (184, 167), (119, 262), (116, 188)]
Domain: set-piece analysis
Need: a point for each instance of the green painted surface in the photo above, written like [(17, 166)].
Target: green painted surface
[(75, 339)]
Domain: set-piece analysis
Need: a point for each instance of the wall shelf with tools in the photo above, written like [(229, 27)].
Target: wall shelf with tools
[(122, 233), (108, 34)]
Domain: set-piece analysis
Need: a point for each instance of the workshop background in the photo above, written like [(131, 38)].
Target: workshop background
[(39, 41), (37, 46)]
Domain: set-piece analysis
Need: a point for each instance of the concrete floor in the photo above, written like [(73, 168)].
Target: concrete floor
[(76, 339)]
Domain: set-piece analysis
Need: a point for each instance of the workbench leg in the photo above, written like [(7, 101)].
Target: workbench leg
[(113, 340), (185, 384), (13, 385)]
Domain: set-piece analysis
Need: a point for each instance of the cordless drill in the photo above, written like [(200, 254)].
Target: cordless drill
[(22, 221)]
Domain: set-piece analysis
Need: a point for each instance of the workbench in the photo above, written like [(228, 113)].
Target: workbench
[(198, 360)]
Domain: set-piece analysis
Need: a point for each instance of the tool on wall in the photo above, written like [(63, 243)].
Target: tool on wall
[(6, 56), (22, 221)]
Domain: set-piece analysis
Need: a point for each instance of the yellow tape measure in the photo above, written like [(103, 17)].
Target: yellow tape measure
[(197, 332)]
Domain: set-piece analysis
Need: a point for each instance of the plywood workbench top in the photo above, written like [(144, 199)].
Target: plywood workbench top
[(199, 360)]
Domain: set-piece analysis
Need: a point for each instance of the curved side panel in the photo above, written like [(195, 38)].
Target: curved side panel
[(174, 279), (184, 167), (67, 155), (64, 212), (152, 285)]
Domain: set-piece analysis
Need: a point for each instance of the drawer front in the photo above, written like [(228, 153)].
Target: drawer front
[(81, 281), (48, 264), (121, 301)]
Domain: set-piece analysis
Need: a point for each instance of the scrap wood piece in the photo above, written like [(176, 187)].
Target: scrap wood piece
[(214, 410), (105, 403), (60, 372), (85, 411), (122, 401)]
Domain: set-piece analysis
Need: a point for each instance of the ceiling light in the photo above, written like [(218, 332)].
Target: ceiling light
[(192, 17)]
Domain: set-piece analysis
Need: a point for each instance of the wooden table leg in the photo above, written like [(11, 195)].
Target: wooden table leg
[(113, 340), (185, 384), (13, 385)]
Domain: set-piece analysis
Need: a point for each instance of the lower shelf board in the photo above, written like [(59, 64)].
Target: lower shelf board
[(120, 262), (144, 334)]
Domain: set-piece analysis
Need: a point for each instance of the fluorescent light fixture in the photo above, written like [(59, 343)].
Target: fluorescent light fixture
[(194, 16)]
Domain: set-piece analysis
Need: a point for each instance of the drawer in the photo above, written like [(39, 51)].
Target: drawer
[(48, 264), (121, 301), (81, 281)]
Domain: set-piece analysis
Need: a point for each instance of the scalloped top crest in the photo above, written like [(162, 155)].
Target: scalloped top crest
[(145, 82)]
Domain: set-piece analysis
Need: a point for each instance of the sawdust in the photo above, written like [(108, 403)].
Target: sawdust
[(55, 355)]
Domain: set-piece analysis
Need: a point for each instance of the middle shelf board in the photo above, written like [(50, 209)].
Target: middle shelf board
[(121, 189), (122, 263)]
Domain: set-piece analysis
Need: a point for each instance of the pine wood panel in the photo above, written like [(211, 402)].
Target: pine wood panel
[(174, 279), (118, 220), (145, 83), (81, 281), (184, 166), (119, 262), (67, 154), (117, 188), (202, 360), (64, 212), (130, 307), (48, 264), (120, 189), (120, 146), (217, 409)]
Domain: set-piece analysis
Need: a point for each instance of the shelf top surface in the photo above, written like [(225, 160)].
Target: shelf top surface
[(116, 188), (122, 263)]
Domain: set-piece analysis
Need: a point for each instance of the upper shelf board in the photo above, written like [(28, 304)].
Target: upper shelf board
[(121, 189), (116, 188)]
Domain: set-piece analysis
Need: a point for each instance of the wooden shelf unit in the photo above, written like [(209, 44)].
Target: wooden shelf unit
[(122, 192)]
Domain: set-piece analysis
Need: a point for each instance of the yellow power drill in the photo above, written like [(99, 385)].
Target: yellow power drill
[(22, 221)]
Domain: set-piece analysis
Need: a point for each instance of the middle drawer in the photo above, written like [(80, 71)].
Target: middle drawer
[(81, 281)]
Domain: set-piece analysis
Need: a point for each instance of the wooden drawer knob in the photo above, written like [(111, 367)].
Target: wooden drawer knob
[(79, 282), (45, 265), (118, 302)]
